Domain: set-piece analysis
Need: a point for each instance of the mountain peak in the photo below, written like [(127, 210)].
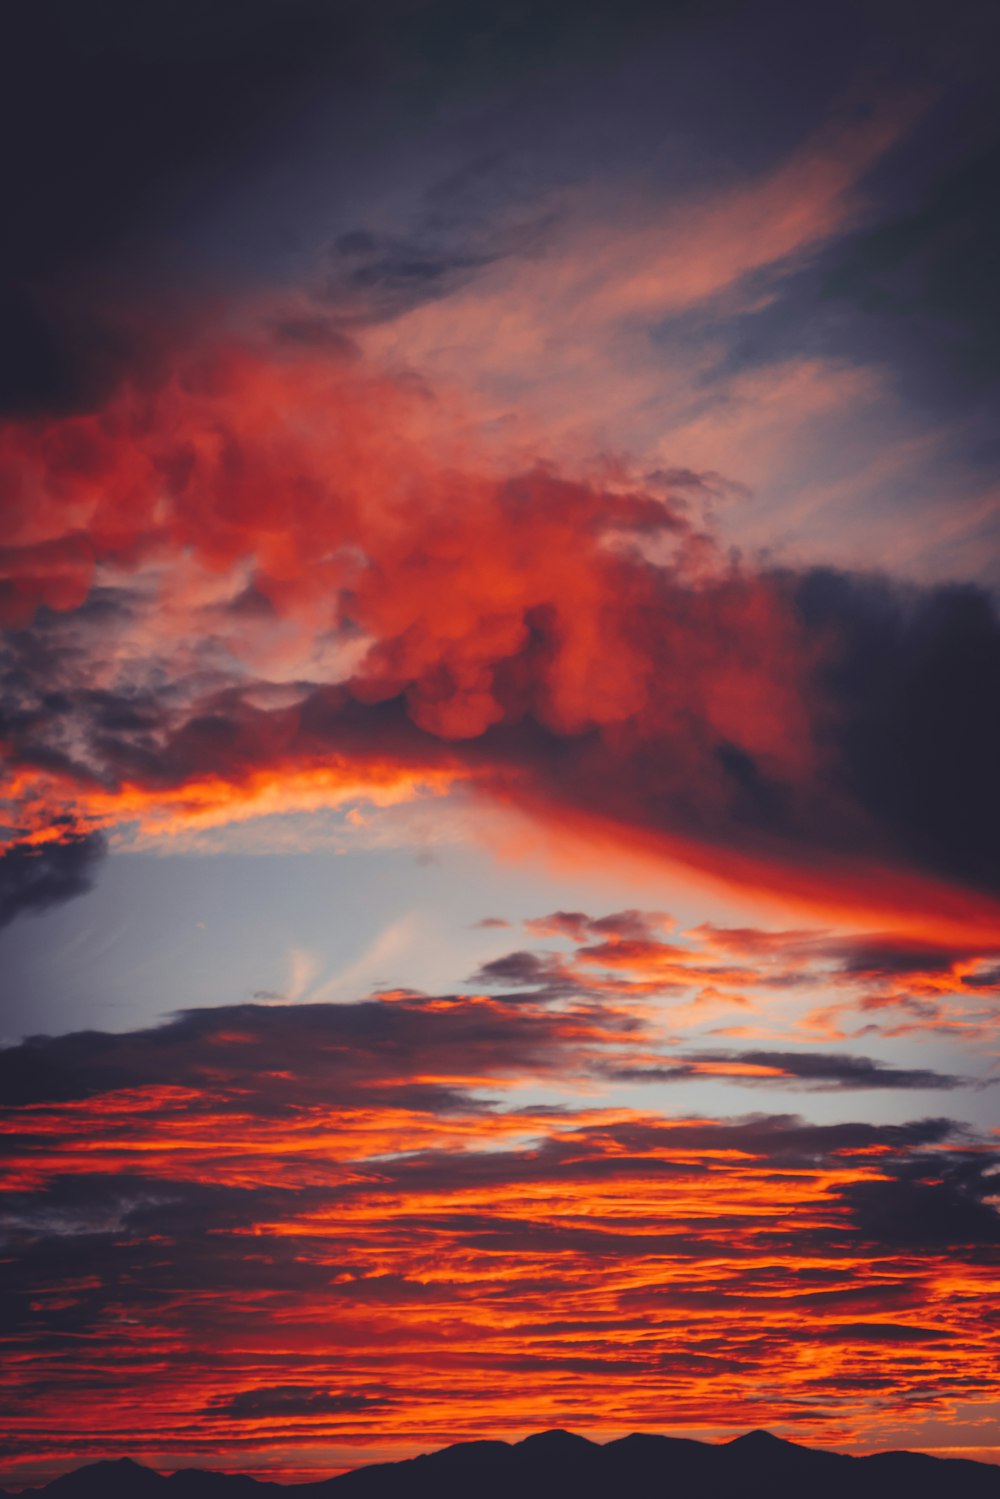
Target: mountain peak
[(109, 1476), (112, 1465), (556, 1440), (760, 1440)]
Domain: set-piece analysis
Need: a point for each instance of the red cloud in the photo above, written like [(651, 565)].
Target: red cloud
[(578, 650)]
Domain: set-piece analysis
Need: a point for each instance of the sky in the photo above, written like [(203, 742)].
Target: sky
[(500, 716)]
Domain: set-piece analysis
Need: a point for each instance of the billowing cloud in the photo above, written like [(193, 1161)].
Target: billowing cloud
[(340, 609)]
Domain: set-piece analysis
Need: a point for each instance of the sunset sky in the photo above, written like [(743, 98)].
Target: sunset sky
[(500, 718)]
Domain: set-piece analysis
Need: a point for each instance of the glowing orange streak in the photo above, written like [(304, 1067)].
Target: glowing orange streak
[(215, 802)]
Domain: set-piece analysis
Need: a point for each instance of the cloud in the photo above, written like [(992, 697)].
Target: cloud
[(800, 985), (274, 1223), (915, 724), (543, 974), (620, 926), (818, 1071), (77, 302), (420, 1053), (919, 1207), (269, 509), (577, 650), (86, 290), (282, 1401), (924, 275), (35, 876)]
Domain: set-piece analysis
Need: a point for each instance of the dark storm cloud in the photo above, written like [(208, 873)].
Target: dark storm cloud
[(104, 1234), (133, 124), (35, 876), (53, 716)]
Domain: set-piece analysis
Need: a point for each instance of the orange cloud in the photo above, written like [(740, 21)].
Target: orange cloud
[(317, 1200)]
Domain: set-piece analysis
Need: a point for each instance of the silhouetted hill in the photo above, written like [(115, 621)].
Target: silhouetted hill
[(552, 1464)]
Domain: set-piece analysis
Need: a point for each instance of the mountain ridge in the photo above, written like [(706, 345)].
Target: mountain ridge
[(755, 1463)]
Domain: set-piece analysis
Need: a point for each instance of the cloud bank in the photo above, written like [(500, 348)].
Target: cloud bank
[(281, 1222)]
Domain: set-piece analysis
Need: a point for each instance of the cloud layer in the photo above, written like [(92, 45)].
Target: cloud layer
[(261, 1228)]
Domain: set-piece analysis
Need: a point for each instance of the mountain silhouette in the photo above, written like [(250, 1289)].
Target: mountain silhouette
[(554, 1464)]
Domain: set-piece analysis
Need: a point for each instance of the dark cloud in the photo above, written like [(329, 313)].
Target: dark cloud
[(927, 273), (541, 973), (916, 714), (829, 1070), (35, 876), (986, 979), (377, 280), (884, 957), (300, 1052), (132, 126), (130, 123), (881, 1332), (620, 926), (292, 1400), (905, 703), (924, 1204)]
